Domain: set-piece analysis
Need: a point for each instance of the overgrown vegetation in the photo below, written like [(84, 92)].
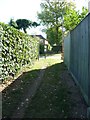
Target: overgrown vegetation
[(17, 50)]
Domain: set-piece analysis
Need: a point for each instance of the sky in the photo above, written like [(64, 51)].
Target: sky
[(19, 9)]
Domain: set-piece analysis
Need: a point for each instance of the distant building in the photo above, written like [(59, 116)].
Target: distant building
[(42, 39), (43, 44)]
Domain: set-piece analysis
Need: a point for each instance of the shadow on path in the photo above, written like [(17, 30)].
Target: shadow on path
[(46, 93)]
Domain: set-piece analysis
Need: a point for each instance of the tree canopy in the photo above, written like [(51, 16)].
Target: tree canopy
[(23, 24), (13, 23), (59, 13), (51, 36), (72, 18)]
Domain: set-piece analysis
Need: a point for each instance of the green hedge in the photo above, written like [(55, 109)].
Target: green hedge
[(16, 50)]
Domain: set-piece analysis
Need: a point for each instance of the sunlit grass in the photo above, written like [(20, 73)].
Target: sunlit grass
[(45, 62)]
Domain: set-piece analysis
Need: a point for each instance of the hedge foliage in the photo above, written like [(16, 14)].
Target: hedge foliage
[(17, 49)]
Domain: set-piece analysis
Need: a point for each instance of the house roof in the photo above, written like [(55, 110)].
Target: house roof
[(42, 39), (39, 36)]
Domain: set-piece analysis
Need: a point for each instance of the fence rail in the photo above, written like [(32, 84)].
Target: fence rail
[(77, 56)]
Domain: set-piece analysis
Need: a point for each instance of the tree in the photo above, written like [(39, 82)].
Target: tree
[(23, 24), (83, 13), (13, 23), (59, 13), (72, 18), (35, 24), (51, 36), (52, 13)]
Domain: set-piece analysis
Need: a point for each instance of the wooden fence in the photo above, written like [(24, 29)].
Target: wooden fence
[(77, 56)]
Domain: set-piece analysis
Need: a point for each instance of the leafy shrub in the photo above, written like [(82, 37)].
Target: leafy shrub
[(17, 50)]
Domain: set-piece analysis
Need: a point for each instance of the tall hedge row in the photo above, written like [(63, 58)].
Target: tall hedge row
[(17, 49)]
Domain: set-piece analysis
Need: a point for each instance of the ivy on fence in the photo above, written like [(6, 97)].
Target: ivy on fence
[(16, 50)]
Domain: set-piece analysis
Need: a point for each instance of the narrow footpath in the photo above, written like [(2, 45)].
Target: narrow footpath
[(47, 91), (19, 113)]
